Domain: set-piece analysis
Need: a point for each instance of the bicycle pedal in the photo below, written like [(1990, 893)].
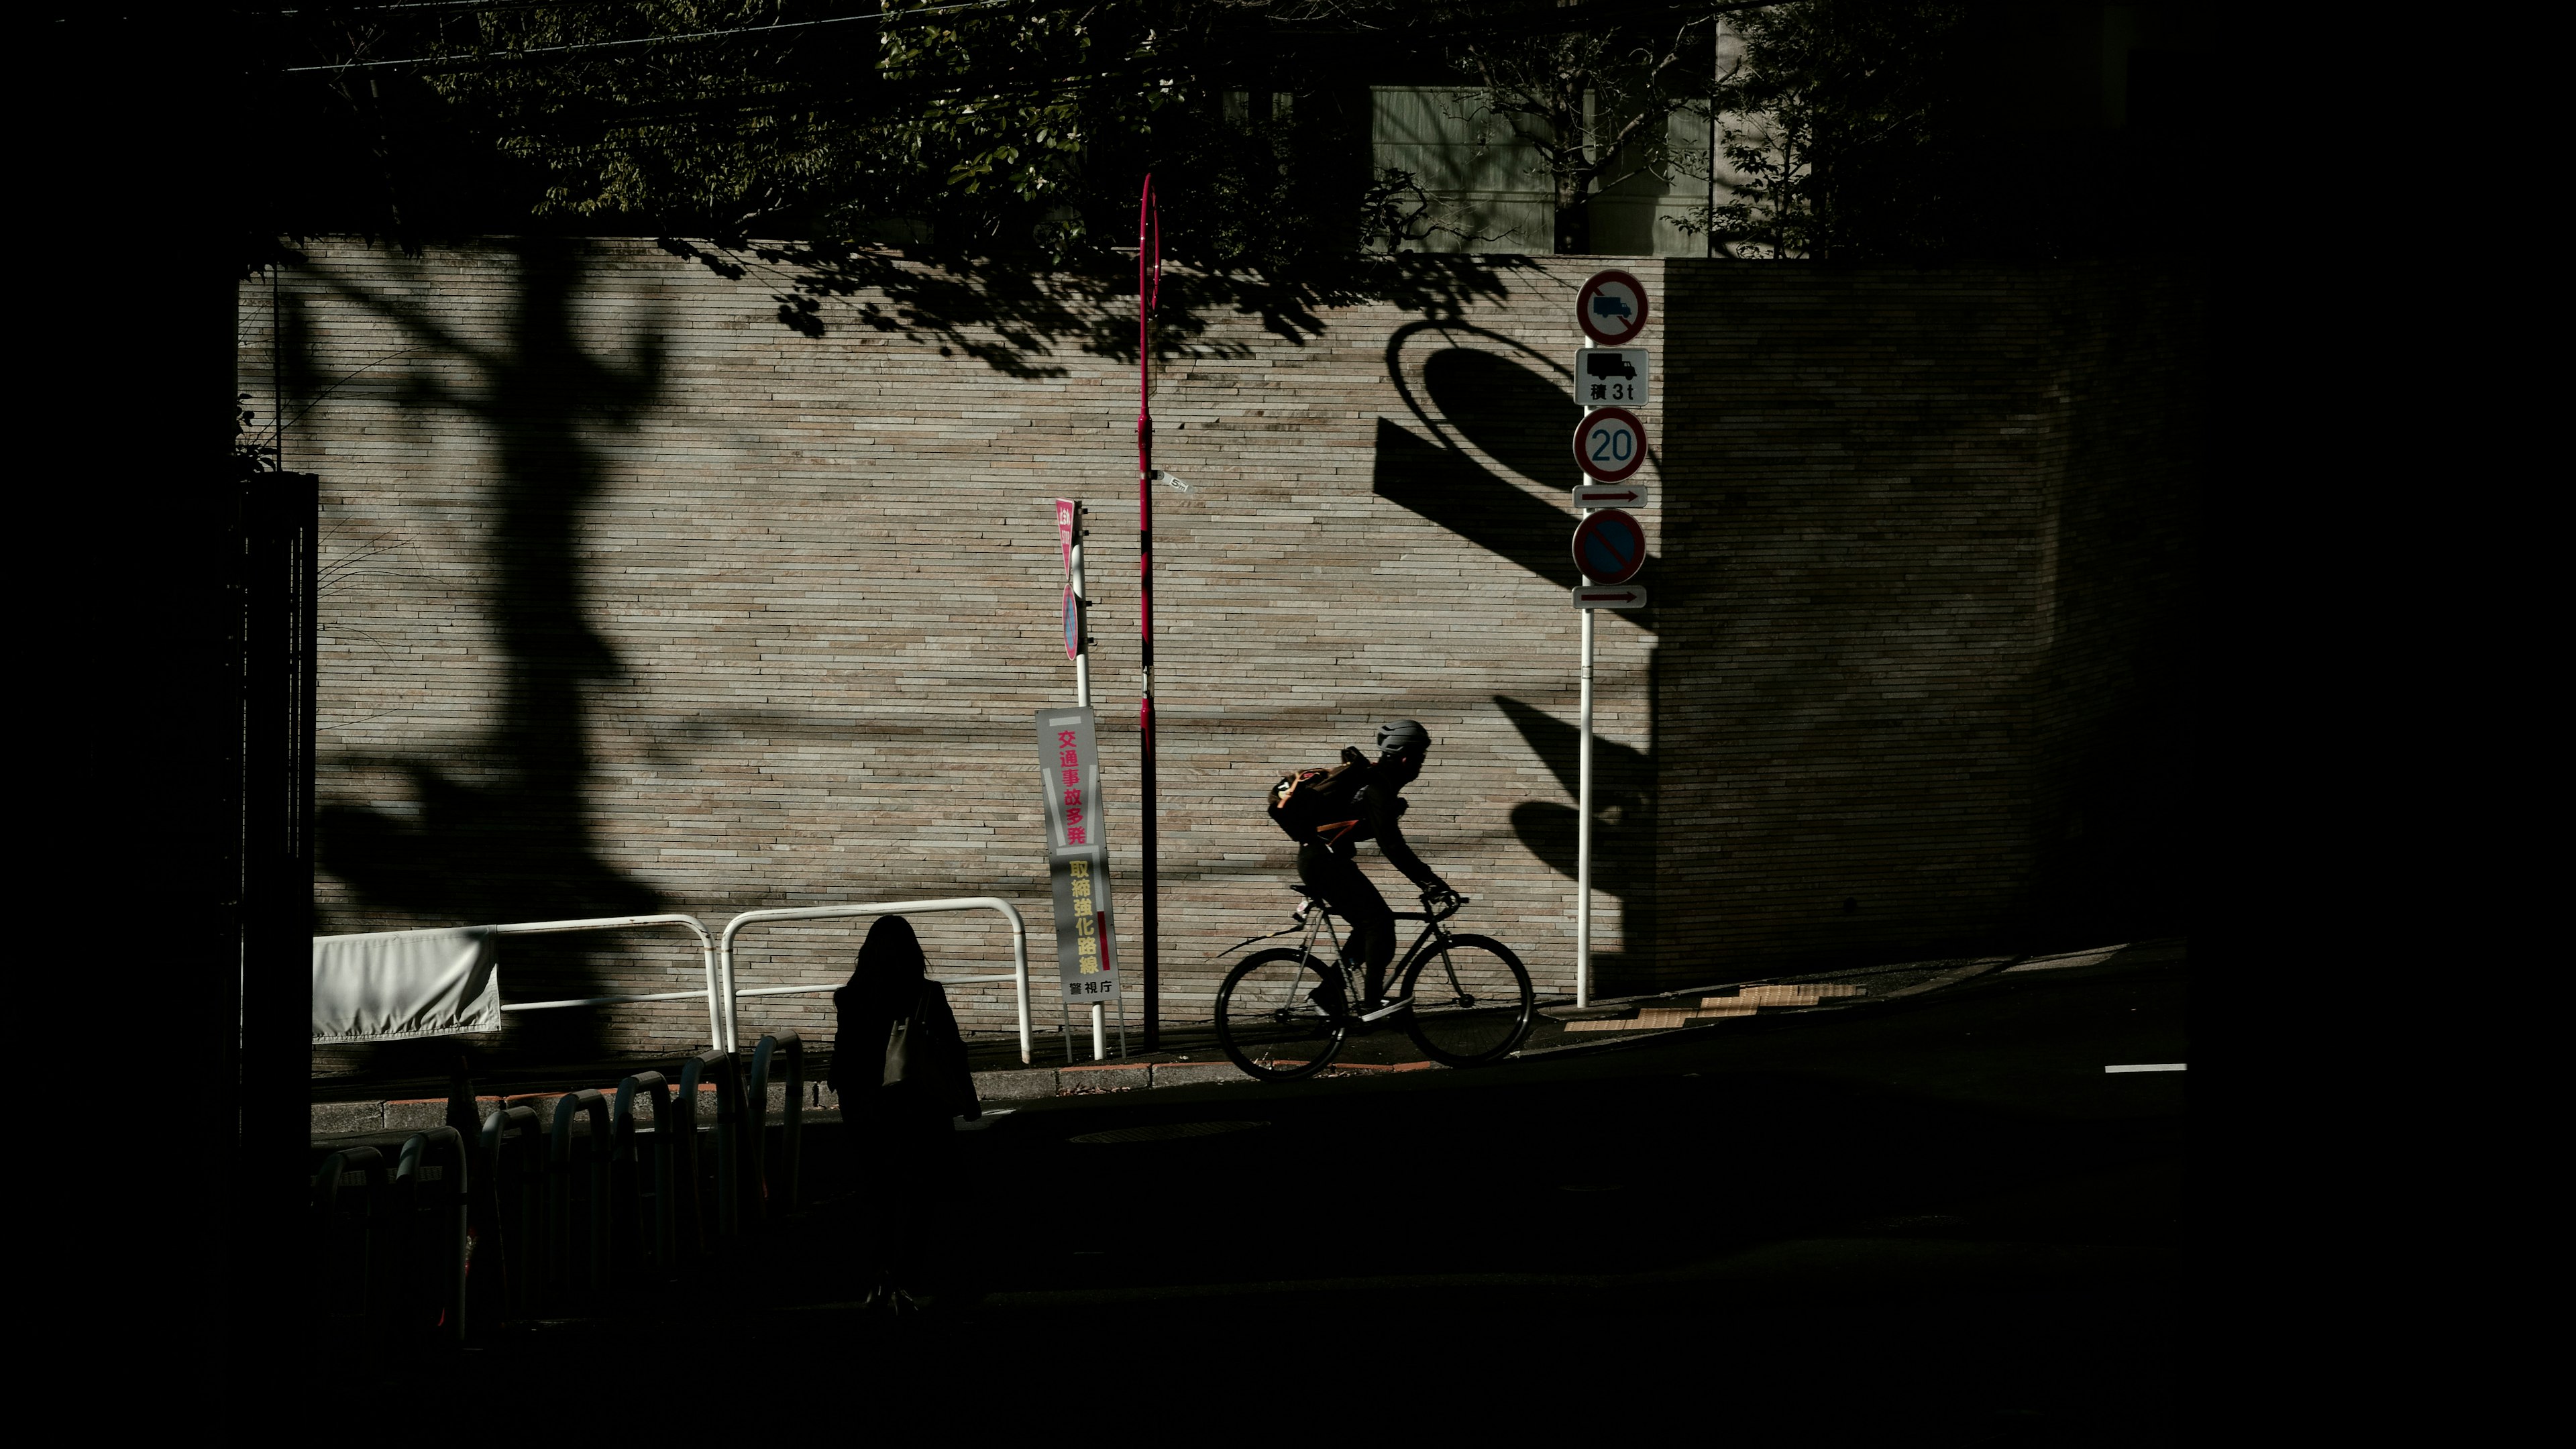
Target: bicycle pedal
[(1390, 1009)]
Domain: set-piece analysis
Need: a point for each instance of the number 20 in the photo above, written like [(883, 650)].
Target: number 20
[(1612, 445)]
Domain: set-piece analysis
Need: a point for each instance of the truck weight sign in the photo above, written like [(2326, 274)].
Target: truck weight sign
[(1611, 376)]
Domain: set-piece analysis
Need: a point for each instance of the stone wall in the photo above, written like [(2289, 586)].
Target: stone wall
[(640, 597)]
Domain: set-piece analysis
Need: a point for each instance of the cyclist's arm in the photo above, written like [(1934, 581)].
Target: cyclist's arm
[(1390, 839)]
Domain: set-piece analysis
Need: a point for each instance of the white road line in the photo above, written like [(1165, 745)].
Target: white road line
[(2148, 1067)]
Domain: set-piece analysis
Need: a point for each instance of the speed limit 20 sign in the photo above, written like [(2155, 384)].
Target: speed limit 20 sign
[(1610, 444)]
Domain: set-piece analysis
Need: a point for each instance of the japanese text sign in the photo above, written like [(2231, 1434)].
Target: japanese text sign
[(1086, 944), (1069, 759)]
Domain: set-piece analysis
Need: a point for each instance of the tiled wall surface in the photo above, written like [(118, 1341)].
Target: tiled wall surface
[(637, 599)]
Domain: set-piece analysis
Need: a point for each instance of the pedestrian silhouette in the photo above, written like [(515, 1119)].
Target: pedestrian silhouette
[(899, 1069)]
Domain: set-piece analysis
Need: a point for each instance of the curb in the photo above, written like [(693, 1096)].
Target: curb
[(1020, 1085)]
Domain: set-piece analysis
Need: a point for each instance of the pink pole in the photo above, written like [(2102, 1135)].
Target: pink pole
[(1149, 279)]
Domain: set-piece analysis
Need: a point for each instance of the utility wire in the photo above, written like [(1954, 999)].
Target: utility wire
[(445, 62)]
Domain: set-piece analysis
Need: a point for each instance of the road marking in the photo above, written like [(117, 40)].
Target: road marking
[(2148, 1067)]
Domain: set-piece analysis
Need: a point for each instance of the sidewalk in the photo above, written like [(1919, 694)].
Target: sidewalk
[(1191, 1056)]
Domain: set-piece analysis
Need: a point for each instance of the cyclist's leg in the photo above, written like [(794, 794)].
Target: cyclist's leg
[(1324, 874), (1354, 897), (1372, 921)]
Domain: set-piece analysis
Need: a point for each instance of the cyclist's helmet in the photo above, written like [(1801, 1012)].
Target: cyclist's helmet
[(1402, 736)]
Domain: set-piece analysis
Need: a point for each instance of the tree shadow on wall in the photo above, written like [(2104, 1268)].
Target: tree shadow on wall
[(1013, 318), (1623, 835), (1513, 414), (505, 834)]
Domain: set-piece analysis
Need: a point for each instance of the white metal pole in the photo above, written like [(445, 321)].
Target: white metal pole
[(1583, 826), (1082, 696)]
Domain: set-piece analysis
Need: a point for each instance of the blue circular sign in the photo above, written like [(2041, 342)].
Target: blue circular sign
[(1610, 546), (1072, 624)]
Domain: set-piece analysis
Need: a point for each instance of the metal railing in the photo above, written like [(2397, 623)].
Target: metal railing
[(663, 1236), (1019, 974), (719, 1011), (516, 1167), (351, 1257), (560, 1198), (444, 1244), (778, 1187)]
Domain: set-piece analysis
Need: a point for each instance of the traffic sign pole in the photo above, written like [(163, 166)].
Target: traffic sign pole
[(1611, 309), (1583, 830)]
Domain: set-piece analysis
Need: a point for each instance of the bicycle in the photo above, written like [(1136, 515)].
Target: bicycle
[(1465, 1000)]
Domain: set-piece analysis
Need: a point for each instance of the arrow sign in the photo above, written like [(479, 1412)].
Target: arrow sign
[(1611, 308), (1610, 444), (1613, 495), (1623, 596), (1609, 546)]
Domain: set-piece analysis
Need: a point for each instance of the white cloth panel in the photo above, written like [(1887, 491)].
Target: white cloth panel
[(395, 985)]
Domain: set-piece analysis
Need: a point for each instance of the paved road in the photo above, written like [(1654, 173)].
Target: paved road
[(1938, 1218)]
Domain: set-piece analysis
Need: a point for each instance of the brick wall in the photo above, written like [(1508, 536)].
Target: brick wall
[(639, 600)]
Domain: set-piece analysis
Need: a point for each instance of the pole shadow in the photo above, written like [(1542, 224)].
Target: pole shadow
[(1623, 835)]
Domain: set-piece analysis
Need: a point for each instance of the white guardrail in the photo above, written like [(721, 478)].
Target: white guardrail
[(718, 1012), (716, 957), (1019, 973)]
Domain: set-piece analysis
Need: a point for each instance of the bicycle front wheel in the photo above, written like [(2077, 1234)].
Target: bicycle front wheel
[(1267, 1020), (1472, 1002)]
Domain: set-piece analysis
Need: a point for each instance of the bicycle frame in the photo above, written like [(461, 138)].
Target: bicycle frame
[(1323, 917)]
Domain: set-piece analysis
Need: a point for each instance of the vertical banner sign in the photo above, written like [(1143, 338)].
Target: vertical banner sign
[(1077, 855), (1086, 958)]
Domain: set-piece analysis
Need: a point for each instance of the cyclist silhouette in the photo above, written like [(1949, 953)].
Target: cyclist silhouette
[(1330, 869)]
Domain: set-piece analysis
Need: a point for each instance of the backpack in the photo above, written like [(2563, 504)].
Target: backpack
[(1319, 806)]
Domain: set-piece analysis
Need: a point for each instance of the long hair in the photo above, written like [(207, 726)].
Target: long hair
[(887, 976)]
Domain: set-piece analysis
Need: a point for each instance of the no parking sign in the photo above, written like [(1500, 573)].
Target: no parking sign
[(1609, 546)]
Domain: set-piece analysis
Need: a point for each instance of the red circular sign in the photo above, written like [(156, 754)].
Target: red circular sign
[(1610, 444), (1610, 546), (1611, 308)]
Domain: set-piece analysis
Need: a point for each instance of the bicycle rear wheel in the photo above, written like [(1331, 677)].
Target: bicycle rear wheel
[(1472, 1002), (1267, 1020)]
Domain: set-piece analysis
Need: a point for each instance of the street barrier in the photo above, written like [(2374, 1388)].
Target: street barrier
[(658, 1239), (347, 1258), (1019, 974), (433, 1253), (695, 1189), (718, 1011), (513, 1162), (560, 1258), (779, 1176)]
